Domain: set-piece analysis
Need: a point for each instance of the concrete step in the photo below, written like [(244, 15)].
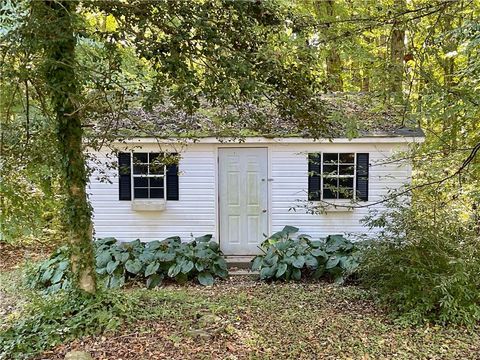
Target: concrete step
[(243, 273), (240, 262)]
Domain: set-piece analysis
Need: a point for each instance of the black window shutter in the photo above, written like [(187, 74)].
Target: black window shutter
[(362, 176), (124, 177), (172, 181), (314, 176)]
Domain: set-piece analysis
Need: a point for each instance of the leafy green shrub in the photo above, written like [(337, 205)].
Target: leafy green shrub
[(52, 320), (113, 259), (425, 263), (289, 258), (199, 259), (52, 274), (117, 263)]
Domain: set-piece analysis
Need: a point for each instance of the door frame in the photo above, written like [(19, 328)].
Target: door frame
[(217, 183)]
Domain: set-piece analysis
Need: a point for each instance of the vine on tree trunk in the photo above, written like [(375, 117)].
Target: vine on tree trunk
[(64, 93)]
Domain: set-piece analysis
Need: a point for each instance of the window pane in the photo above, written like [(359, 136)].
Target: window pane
[(345, 193), (330, 157), (345, 188), (140, 193), (140, 158), (140, 182), (346, 169), (329, 188), (330, 170), (156, 182), (154, 156), (156, 168), (345, 182), (139, 163), (140, 169), (347, 158), (156, 164), (156, 193)]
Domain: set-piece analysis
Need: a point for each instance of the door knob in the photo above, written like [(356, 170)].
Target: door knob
[(264, 210)]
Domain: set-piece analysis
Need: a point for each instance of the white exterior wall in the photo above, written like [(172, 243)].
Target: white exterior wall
[(289, 170), (196, 210)]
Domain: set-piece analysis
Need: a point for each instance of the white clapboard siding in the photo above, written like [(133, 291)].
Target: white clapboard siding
[(196, 210), (289, 171)]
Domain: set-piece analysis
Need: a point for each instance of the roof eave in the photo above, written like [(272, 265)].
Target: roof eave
[(278, 140)]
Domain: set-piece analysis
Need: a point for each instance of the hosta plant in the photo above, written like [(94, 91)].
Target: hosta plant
[(200, 259), (117, 262), (152, 262), (337, 258), (52, 274), (289, 257)]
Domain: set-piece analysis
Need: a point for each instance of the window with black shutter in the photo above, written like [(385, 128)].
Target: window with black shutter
[(333, 176), (147, 176), (338, 174)]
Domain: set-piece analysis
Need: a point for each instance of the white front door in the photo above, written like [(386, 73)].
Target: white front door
[(243, 199)]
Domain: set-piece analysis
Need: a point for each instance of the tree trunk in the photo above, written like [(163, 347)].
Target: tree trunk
[(450, 124), (357, 80), (64, 93), (333, 61), (397, 49), (366, 68), (334, 76)]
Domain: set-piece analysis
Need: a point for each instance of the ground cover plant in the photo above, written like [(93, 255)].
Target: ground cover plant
[(48, 321), (118, 263), (236, 318), (289, 257)]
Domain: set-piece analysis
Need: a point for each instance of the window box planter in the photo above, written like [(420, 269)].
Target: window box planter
[(149, 204)]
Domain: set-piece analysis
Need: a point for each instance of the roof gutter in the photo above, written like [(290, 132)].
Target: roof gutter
[(263, 140)]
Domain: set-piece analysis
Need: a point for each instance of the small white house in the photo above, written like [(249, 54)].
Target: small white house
[(241, 189)]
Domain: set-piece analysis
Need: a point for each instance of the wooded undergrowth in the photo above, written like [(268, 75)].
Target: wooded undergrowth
[(424, 264)]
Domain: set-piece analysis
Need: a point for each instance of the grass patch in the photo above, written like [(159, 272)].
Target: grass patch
[(13, 294)]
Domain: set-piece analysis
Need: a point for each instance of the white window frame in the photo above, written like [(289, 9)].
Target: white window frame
[(338, 176), (148, 175)]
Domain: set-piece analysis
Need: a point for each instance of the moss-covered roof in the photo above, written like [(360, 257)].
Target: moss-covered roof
[(346, 116)]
